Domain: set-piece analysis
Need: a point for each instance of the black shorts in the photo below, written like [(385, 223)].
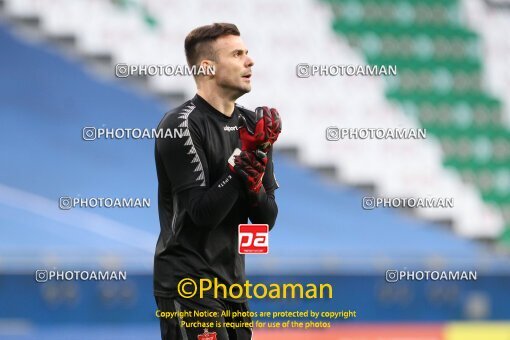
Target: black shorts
[(225, 326)]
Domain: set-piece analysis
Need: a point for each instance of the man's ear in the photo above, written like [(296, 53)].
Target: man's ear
[(207, 64)]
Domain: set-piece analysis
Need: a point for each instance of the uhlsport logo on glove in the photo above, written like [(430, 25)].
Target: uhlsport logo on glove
[(253, 239)]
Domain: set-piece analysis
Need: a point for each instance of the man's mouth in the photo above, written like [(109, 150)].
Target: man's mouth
[(247, 76)]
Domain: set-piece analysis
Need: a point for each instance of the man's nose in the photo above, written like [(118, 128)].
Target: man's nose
[(249, 61)]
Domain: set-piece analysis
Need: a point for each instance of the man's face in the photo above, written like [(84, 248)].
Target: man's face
[(232, 65)]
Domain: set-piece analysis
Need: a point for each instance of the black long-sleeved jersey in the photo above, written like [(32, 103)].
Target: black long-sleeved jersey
[(200, 202)]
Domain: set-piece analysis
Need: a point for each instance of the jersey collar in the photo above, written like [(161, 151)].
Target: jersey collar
[(203, 105)]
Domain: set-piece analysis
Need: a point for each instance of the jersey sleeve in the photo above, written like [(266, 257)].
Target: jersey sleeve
[(181, 152), (269, 180)]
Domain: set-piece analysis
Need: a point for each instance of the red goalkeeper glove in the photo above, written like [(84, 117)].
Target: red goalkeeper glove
[(250, 167), (260, 131), (272, 123)]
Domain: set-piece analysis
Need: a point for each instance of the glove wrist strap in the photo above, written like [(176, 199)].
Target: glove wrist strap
[(236, 152)]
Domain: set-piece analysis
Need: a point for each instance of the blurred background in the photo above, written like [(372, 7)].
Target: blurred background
[(57, 66)]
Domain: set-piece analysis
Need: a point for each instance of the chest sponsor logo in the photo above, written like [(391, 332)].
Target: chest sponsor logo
[(253, 239), (230, 128)]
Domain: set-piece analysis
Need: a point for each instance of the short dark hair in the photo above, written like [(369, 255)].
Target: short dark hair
[(198, 42)]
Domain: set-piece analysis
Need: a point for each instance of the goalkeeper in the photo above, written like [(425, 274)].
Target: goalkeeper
[(214, 174)]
